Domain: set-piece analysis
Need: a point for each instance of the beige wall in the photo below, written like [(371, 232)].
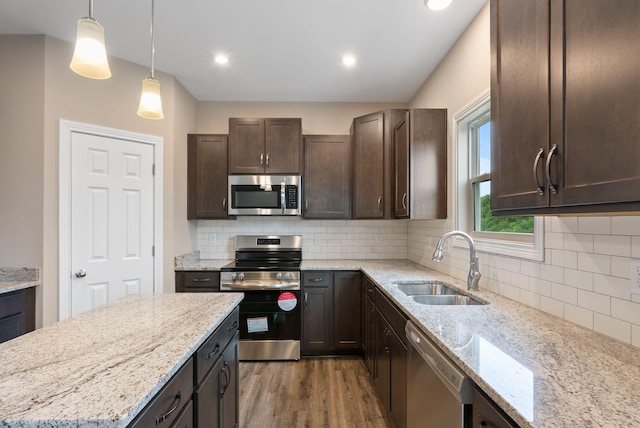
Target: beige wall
[(584, 277), (21, 151), (317, 118), (57, 93)]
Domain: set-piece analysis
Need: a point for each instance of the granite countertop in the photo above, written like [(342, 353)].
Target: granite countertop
[(102, 367), (14, 279), (542, 370)]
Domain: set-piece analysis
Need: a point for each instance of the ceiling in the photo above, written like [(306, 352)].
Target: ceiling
[(279, 50)]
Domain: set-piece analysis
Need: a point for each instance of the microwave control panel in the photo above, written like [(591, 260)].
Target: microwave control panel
[(292, 196)]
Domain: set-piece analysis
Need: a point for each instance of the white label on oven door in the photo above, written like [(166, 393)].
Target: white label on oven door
[(257, 325), (287, 301)]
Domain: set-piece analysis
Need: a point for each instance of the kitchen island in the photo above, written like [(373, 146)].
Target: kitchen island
[(541, 370), (102, 367)]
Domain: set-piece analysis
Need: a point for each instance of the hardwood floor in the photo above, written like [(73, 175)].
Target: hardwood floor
[(312, 392)]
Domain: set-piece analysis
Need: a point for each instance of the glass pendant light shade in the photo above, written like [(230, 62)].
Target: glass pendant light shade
[(150, 102), (90, 56)]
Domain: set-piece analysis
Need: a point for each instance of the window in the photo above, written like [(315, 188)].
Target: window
[(519, 236)]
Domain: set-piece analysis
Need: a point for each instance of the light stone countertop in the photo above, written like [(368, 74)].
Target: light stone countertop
[(102, 367), (9, 286), (542, 370)]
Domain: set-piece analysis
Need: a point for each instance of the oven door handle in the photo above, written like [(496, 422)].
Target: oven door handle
[(233, 287)]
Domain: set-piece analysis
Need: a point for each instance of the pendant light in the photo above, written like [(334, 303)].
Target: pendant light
[(90, 56), (150, 102)]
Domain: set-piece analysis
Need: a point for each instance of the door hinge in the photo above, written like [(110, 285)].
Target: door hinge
[(153, 169), (153, 251)]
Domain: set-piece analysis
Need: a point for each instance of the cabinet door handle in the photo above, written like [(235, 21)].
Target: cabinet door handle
[(201, 279), (306, 298), (536, 161), (224, 204), (214, 352), (261, 159), (552, 187), (379, 203), (174, 407), (306, 204), (226, 373), (404, 200), (267, 160)]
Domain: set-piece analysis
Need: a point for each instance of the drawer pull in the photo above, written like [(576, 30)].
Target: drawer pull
[(214, 352), (201, 279), (174, 407), (234, 326), (316, 279)]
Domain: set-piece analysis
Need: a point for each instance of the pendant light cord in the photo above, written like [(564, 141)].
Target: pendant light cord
[(152, 43), (91, 9)]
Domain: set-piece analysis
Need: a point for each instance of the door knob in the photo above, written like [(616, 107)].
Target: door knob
[(80, 273)]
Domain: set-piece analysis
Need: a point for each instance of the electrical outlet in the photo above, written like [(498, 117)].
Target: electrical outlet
[(378, 238), (634, 274), (213, 238), (317, 238)]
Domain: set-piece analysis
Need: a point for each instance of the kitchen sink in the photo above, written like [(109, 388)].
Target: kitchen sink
[(412, 288), (435, 293), (443, 299)]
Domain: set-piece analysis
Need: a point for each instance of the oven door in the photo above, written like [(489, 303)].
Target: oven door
[(270, 323)]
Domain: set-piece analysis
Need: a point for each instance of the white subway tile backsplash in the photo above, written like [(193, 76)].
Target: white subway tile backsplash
[(552, 273), (613, 327), (530, 299), (554, 240), (620, 267), (625, 225), (564, 293), (625, 310), (552, 306), (635, 247), (635, 335), (612, 286), (594, 302), (594, 225), (612, 245), (577, 242), (563, 258), (578, 279), (540, 286), (564, 224), (578, 315), (594, 263)]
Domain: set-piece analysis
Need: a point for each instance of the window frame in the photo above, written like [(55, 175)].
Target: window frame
[(520, 245)]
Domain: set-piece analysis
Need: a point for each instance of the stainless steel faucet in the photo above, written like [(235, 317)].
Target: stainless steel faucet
[(474, 274)]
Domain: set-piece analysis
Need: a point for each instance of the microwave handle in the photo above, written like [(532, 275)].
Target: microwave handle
[(283, 200)]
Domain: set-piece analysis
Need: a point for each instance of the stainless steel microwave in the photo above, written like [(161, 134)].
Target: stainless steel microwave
[(264, 195)]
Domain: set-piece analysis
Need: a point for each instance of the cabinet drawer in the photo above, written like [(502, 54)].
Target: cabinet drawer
[(212, 348), (12, 326), (197, 281), (164, 409), (185, 419), (317, 279), (12, 303), (396, 319)]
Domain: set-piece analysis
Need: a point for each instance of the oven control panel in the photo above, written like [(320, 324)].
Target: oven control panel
[(257, 280)]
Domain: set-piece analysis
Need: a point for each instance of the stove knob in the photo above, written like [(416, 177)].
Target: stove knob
[(233, 277), (287, 276), (241, 277), (279, 276)]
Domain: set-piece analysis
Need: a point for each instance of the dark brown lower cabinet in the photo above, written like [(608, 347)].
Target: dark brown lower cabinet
[(197, 281), (390, 354), (205, 392), (17, 313), (331, 308), (217, 396)]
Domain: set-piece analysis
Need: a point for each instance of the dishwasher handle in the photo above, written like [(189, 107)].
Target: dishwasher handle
[(454, 379)]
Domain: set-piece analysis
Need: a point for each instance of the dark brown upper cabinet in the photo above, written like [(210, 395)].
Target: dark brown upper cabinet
[(420, 165), (373, 164), (327, 176), (565, 99), (206, 176), (265, 146)]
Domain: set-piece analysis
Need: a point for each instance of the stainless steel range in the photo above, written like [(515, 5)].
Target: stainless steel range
[(267, 270)]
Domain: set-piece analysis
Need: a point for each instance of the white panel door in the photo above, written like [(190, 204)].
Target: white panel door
[(112, 215)]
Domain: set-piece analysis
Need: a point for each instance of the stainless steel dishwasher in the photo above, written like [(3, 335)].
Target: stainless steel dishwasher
[(439, 394)]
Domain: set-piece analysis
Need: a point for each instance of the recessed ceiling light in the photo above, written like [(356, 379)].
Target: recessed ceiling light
[(348, 60), (221, 59), (437, 4)]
